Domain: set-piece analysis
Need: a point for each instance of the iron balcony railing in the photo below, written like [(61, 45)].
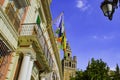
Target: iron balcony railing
[(4, 59), (30, 29)]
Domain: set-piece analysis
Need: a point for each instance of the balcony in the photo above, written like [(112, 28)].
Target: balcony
[(32, 34), (22, 3)]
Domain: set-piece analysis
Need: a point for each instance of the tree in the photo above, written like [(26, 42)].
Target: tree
[(96, 70), (79, 75), (117, 73)]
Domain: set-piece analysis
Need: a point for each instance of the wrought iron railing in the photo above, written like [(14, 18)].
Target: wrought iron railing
[(30, 29), (4, 59)]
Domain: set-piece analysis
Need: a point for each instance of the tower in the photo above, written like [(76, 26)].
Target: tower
[(69, 63)]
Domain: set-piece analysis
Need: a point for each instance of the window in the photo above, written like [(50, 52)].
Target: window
[(21, 3), (3, 49), (72, 65), (69, 64), (21, 12), (68, 54), (5, 57), (65, 63), (12, 15)]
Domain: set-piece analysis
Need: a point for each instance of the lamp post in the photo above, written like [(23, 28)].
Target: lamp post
[(108, 7)]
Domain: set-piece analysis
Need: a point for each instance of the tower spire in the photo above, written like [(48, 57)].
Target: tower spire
[(69, 63), (68, 53)]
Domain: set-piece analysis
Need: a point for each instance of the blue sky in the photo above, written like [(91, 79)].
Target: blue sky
[(89, 32)]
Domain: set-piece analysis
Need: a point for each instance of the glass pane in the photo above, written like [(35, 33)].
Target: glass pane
[(109, 6), (104, 8)]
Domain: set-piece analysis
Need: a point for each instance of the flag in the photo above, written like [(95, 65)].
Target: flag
[(61, 35), (61, 38), (60, 30), (38, 20), (64, 42)]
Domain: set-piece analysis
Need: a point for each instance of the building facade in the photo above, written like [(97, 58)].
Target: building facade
[(28, 50), (69, 64)]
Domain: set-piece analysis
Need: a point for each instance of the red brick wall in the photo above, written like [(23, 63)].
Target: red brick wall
[(1, 2), (5, 66)]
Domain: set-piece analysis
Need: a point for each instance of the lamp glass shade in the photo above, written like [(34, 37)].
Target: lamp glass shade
[(107, 9)]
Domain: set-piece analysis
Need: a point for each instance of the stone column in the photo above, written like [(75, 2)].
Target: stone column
[(24, 67), (42, 78), (29, 72)]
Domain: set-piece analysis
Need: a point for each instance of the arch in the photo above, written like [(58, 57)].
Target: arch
[(54, 76), (69, 64), (68, 54)]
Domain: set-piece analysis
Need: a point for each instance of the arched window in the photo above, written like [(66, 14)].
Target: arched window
[(69, 64), (54, 76), (65, 63), (72, 65), (68, 54)]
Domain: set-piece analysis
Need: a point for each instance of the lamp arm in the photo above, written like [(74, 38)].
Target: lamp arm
[(115, 2), (119, 3)]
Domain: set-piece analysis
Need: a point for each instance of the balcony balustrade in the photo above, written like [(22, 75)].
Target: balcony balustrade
[(32, 33)]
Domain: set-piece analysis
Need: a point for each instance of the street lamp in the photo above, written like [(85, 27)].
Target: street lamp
[(108, 7)]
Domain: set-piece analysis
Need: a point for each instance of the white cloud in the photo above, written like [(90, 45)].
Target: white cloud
[(94, 37), (108, 37), (82, 5), (103, 37)]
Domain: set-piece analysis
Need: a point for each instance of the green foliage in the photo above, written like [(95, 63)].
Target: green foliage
[(96, 70), (116, 76), (72, 78)]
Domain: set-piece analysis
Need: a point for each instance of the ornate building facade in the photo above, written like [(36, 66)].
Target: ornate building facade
[(69, 64), (28, 50)]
